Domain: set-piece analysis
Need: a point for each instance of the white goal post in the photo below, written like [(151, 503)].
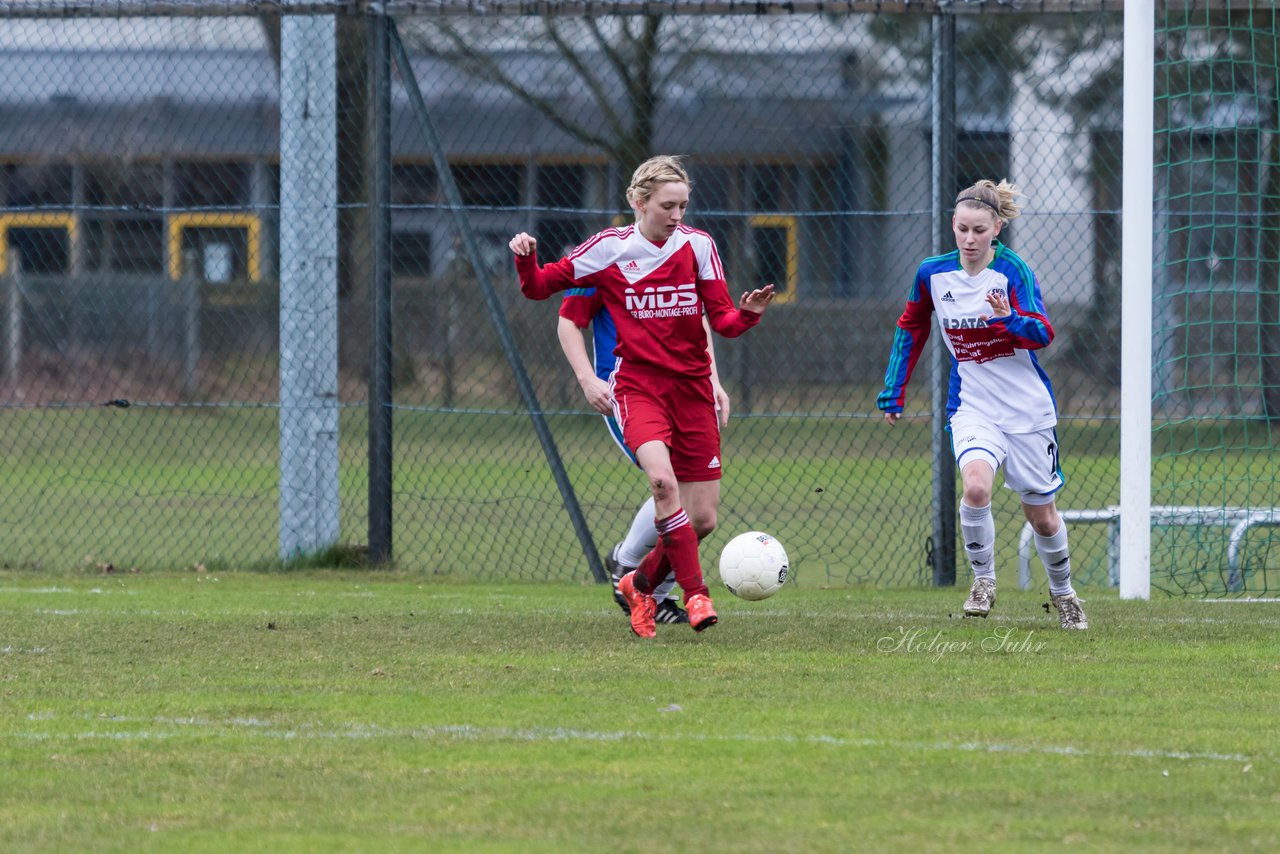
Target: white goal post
[(1135, 308)]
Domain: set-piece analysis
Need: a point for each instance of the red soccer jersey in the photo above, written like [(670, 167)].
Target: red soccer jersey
[(656, 295)]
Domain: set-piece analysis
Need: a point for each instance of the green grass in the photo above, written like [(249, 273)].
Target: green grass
[(363, 711)]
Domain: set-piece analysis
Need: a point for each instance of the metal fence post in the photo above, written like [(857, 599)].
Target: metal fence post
[(944, 189), (380, 367), (190, 325), (13, 325)]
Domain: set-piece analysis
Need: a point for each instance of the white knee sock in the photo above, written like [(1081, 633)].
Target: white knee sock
[(642, 537), (1057, 560), (979, 530)]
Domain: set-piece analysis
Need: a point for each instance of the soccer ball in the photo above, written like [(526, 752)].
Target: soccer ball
[(753, 566)]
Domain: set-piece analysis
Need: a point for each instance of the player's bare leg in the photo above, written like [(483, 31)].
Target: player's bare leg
[(677, 540), (641, 537)]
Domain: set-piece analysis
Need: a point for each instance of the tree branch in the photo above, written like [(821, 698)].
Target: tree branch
[(593, 82), (484, 66)]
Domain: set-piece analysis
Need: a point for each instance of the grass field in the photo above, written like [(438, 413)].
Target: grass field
[(163, 489), (318, 711)]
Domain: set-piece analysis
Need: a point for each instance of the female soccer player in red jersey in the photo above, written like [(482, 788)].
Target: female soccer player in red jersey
[(657, 277), (582, 308)]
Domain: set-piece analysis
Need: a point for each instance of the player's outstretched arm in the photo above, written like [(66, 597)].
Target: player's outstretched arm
[(537, 282), (758, 300)]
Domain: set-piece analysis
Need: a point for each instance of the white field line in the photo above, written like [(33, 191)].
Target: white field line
[(438, 597), (751, 612), (166, 728)]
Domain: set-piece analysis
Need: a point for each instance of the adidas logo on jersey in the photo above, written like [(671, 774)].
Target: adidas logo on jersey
[(714, 464), (631, 265), (947, 297)]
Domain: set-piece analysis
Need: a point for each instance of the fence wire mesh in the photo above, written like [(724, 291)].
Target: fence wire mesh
[(141, 225)]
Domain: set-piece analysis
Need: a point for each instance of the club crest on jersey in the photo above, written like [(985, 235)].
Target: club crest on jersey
[(662, 300), (998, 293)]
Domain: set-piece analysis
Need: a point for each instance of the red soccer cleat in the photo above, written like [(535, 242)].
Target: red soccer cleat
[(643, 608), (701, 614)]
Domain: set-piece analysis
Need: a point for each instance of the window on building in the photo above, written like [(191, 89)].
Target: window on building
[(832, 239), (411, 254), (414, 184), (124, 185), (35, 186), (773, 188), (714, 188), (559, 235), (222, 254), (775, 253), (212, 185), (563, 187), (489, 185), (125, 244), (560, 186), (41, 250)]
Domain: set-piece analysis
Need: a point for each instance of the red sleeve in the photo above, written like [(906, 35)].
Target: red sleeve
[(541, 282), (721, 313), (908, 344), (917, 317)]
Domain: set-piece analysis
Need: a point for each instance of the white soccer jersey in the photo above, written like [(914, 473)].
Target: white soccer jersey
[(994, 371)]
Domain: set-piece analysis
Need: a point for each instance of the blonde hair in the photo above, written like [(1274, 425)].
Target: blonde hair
[(1000, 199), (663, 169)]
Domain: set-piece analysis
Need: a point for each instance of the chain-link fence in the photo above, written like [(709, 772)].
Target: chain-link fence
[(153, 168)]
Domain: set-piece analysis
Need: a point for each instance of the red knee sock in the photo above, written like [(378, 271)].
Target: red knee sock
[(676, 551), (653, 570)]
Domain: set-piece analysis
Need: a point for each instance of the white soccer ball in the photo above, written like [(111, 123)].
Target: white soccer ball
[(753, 566)]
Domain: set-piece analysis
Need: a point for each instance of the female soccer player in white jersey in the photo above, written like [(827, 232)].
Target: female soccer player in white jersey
[(582, 308), (1000, 406), (657, 277)]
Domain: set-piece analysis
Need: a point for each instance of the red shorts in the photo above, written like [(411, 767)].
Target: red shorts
[(679, 412)]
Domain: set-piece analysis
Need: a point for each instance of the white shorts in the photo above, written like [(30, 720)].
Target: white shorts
[(1030, 460)]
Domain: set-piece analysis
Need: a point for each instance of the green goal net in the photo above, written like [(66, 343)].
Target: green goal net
[(1215, 298)]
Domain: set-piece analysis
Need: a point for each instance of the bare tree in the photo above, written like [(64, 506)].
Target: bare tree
[(624, 67)]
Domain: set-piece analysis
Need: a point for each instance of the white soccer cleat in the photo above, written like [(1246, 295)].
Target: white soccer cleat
[(982, 598), (1070, 614)]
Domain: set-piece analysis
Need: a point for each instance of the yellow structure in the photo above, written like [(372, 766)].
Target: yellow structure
[(786, 289), (180, 222), (68, 222)]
